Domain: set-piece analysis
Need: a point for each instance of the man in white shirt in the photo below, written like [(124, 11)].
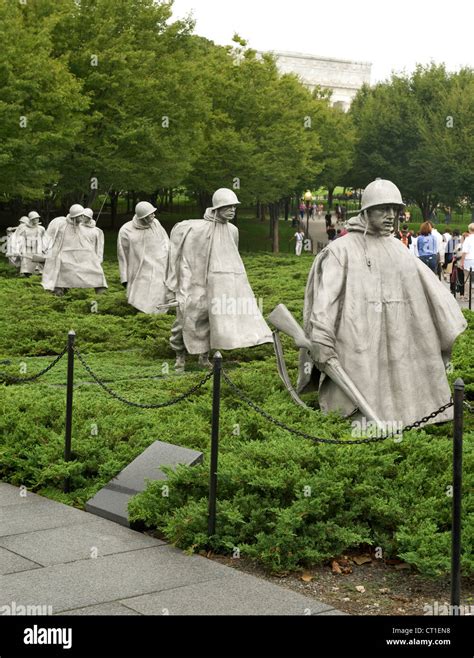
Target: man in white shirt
[(467, 250), (441, 246), (299, 237)]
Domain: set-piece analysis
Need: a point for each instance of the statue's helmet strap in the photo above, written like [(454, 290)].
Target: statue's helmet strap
[(224, 197), (381, 193)]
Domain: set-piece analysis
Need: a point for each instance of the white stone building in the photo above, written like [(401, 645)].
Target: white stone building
[(342, 76)]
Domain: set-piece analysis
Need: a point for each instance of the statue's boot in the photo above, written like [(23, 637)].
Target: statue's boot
[(180, 362), (204, 361)]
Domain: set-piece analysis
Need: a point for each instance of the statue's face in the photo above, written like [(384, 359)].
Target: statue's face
[(226, 213), (148, 219), (34, 221), (381, 218)]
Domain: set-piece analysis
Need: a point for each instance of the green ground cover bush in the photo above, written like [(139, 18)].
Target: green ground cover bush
[(391, 495)]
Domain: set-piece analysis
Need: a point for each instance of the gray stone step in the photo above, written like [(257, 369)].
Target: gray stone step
[(111, 502)]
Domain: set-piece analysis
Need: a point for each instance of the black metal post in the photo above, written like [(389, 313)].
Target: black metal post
[(470, 289), (457, 493), (216, 401), (69, 396)]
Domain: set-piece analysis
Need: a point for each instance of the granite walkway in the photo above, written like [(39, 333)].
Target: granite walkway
[(75, 563)]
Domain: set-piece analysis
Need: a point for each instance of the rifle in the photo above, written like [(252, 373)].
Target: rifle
[(282, 319)]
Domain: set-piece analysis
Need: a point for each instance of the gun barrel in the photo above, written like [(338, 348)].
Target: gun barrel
[(282, 319)]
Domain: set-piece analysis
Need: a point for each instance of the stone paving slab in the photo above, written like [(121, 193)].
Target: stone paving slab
[(103, 609), (132, 573), (239, 594), (37, 515), (109, 578), (81, 542), (10, 495), (11, 562)]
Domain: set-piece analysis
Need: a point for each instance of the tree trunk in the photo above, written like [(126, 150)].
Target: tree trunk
[(287, 208), (258, 211), (330, 196), (274, 214), (113, 208)]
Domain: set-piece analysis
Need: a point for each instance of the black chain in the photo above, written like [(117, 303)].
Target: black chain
[(138, 404), (22, 380), (266, 415)]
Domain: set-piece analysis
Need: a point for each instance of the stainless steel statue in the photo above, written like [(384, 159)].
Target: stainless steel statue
[(379, 326), (217, 308), (29, 244), (72, 260), (143, 250)]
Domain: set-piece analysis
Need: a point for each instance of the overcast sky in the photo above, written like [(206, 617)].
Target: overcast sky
[(391, 35)]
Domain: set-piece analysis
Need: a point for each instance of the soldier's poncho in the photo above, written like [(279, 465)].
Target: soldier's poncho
[(12, 250), (96, 238), (217, 307), (389, 320), (71, 260), (29, 241), (143, 261)]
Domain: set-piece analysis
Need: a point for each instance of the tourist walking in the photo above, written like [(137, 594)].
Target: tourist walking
[(299, 237), (427, 246), (404, 236), (467, 251)]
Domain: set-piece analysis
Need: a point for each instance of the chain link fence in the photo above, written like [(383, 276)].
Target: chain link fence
[(22, 380), (120, 398), (315, 439), (241, 394)]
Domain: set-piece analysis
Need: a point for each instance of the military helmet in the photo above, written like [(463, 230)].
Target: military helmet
[(76, 210), (224, 197), (33, 215), (381, 192), (143, 209), (88, 212), (24, 220)]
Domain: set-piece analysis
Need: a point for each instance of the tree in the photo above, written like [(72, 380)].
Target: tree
[(141, 76), (256, 141), (41, 105), (404, 134), (337, 135)]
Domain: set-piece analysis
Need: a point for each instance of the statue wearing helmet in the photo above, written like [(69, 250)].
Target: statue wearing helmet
[(30, 244), (95, 234), (373, 312), (72, 258), (143, 249), (216, 305)]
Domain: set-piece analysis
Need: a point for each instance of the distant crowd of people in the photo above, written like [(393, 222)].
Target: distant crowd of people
[(447, 254)]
